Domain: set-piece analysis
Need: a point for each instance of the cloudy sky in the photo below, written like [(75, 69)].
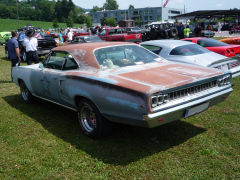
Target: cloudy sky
[(191, 5)]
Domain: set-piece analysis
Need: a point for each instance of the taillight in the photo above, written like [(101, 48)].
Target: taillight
[(229, 52)]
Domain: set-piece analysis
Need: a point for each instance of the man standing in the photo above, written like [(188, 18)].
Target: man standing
[(186, 32), (31, 43), (13, 50), (198, 31), (70, 35)]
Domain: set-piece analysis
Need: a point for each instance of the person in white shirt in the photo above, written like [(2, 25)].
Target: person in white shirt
[(30, 43), (70, 35)]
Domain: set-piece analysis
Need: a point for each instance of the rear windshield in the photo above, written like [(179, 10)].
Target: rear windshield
[(210, 43), (121, 56), (188, 50)]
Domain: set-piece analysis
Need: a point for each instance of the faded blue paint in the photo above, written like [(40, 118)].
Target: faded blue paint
[(123, 102), (101, 79)]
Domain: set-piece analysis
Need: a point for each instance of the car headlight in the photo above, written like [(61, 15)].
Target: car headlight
[(159, 99), (225, 80)]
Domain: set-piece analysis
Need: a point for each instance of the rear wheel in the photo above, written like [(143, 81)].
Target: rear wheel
[(25, 93), (92, 123)]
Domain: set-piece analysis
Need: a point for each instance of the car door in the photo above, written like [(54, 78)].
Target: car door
[(55, 67), (52, 74)]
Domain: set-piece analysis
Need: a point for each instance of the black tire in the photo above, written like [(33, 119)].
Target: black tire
[(92, 123), (173, 33), (25, 93)]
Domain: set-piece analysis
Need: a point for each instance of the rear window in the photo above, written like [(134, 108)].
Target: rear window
[(121, 56), (188, 50), (210, 43), (155, 49)]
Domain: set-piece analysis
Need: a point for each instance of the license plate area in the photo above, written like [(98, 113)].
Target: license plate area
[(196, 109)]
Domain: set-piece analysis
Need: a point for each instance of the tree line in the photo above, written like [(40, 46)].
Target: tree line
[(44, 10)]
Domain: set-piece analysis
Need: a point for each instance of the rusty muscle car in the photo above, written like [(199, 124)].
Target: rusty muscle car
[(121, 82)]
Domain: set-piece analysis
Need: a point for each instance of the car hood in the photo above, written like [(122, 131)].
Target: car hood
[(205, 59), (150, 78)]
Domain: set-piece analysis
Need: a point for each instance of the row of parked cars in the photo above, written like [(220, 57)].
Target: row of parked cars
[(146, 85)]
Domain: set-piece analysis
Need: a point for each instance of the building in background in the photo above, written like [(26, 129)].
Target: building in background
[(145, 15)]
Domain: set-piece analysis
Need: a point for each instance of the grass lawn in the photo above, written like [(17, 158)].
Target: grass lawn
[(12, 24), (43, 141)]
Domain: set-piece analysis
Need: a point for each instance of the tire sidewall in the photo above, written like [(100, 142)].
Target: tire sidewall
[(28, 96), (97, 126)]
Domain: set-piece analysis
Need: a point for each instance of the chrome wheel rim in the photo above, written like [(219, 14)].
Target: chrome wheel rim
[(87, 117), (24, 92)]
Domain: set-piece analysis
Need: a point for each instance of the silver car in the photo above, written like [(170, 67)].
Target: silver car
[(191, 53)]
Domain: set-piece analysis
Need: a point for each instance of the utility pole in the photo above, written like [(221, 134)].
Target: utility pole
[(17, 13)]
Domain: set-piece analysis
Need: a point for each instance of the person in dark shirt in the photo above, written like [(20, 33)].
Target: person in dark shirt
[(180, 29), (13, 49), (198, 31)]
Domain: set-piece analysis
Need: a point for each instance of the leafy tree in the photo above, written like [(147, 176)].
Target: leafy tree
[(55, 23), (138, 22), (95, 9), (111, 22), (131, 6), (69, 22), (103, 21), (81, 19), (110, 5), (88, 21)]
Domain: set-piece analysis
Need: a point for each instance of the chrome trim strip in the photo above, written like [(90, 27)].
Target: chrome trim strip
[(236, 74), (183, 106), (55, 102), (191, 97)]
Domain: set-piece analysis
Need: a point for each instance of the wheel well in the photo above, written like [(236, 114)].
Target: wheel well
[(19, 81), (78, 98)]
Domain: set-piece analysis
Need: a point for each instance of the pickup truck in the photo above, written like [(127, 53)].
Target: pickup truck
[(119, 34)]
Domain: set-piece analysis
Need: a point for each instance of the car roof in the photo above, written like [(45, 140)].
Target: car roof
[(83, 53), (167, 43)]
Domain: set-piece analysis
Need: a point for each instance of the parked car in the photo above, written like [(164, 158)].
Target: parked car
[(4, 38), (75, 33), (191, 53), (231, 40), (45, 44), (86, 39), (216, 46), (119, 34), (121, 82)]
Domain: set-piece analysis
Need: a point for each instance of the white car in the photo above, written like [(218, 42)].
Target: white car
[(191, 53)]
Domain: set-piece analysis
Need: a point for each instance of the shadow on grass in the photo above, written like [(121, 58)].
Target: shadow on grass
[(5, 81), (127, 144)]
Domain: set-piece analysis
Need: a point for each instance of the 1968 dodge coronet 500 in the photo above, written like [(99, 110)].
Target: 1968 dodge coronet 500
[(121, 82)]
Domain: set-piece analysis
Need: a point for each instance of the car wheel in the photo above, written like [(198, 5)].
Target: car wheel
[(6, 54), (25, 93), (92, 123)]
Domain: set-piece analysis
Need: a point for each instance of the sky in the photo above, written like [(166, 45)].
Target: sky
[(190, 5)]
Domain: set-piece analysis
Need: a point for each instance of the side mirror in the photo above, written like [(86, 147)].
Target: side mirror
[(41, 65)]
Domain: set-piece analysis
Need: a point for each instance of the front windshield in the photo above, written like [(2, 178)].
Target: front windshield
[(122, 56), (210, 43), (188, 50)]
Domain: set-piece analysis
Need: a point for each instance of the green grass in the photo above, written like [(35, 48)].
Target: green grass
[(43, 141), (12, 24)]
